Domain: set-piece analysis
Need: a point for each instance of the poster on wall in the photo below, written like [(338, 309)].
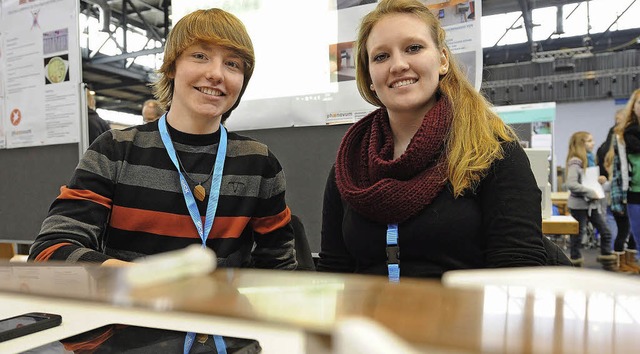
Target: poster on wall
[(307, 76), (2, 67), (457, 17), (42, 72), (2, 70)]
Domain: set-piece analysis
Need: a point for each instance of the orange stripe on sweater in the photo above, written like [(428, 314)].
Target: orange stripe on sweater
[(271, 223), (80, 194), (159, 223), (91, 345), (47, 252)]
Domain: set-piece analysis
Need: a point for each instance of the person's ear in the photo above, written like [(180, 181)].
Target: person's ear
[(444, 63), (171, 73)]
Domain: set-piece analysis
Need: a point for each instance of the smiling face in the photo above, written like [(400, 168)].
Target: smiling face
[(404, 64), (207, 82)]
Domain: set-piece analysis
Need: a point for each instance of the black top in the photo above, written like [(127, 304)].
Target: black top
[(498, 225), (97, 125), (602, 152)]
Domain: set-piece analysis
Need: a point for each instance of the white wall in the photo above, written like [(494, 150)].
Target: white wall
[(595, 117)]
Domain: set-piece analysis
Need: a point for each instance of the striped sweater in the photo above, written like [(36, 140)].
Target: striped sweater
[(124, 201)]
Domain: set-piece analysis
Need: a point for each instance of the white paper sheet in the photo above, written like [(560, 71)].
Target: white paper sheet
[(591, 180)]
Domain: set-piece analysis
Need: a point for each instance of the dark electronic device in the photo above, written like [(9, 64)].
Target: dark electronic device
[(27, 323)]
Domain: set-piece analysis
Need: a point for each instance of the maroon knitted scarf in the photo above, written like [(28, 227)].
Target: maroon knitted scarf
[(387, 190)]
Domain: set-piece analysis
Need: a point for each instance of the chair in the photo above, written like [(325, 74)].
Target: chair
[(303, 251)]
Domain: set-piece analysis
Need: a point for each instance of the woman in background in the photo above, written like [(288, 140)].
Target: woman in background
[(617, 168), (630, 130), (624, 245), (584, 203), (433, 180)]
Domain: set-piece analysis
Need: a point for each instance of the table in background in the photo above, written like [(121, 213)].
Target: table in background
[(559, 199), (6, 251), (560, 225)]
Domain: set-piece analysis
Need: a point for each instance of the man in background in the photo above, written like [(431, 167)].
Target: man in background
[(151, 111), (97, 125)]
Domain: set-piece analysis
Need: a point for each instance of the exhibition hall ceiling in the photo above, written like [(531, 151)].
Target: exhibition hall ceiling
[(123, 86)]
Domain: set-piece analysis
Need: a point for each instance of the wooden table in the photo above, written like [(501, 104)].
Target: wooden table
[(559, 199), (292, 310), (6, 251), (560, 225)]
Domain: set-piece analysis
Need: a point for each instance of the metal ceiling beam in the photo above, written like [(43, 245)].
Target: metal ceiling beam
[(495, 7), (138, 75), (116, 14), (586, 75), (528, 23), (512, 27), (151, 7), (165, 6), (614, 22), (135, 23), (105, 13), (112, 58), (521, 52), (154, 33), (122, 85), (117, 104)]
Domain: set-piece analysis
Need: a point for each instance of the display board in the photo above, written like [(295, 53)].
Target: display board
[(40, 110), (42, 72)]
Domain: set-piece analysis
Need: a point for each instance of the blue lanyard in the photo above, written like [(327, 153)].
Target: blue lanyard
[(221, 347), (212, 205), (393, 253), (214, 194)]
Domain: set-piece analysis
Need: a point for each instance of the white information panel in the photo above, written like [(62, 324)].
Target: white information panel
[(3, 142), (305, 72), (41, 72)]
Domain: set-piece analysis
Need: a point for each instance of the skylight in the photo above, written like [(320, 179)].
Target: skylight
[(602, 13)]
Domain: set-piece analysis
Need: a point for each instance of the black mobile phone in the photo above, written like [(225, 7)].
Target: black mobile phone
[(27, 323)]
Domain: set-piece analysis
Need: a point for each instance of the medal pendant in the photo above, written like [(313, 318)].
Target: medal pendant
[(201, 338), (199, 192)]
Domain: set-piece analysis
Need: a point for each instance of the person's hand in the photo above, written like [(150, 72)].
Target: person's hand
[(602, 179), (116, 263), (591, 195)]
